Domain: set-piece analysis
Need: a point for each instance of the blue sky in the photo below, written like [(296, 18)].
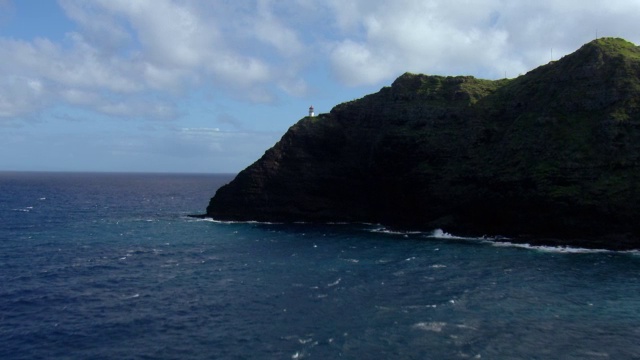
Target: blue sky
[(208, 86)]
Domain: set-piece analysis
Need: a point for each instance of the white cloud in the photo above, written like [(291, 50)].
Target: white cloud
[(418, 36), (19, 96), (294, 86), (483, 38), (98, 27), (124, 53), (170, 33), (130, 50), (44, 73), (162, 59), (243, 70), (271, 30), (77, 97), (356, 63)]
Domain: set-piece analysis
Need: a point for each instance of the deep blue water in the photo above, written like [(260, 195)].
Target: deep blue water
[(108, 266)]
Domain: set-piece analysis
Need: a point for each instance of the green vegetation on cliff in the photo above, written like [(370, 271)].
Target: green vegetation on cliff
[(554, 153)]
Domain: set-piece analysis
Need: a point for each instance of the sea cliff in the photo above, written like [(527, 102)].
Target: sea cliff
[(552, 156)]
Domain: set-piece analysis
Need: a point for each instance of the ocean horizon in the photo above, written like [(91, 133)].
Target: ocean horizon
[(111, 265)]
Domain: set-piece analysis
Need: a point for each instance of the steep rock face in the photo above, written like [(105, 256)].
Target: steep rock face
[(553, 153)]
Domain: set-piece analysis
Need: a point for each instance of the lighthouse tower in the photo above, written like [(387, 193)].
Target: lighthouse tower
[(311, 114)]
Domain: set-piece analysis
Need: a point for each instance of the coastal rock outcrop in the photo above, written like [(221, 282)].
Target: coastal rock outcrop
[(552, 154)]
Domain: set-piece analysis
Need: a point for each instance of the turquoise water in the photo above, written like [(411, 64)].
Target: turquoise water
[(108, 266)]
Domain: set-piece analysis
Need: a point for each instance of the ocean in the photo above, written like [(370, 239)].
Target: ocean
[(109, 266)]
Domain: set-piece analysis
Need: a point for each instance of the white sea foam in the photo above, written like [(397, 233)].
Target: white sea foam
[(551, 249), (420, 307), (335, 282), (503, 242), (383, 230), (208, 219), (439, 234), (596, 354), (430, 326), (466, 327)]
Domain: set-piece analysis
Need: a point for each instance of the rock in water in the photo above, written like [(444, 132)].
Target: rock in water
[(553, 154)]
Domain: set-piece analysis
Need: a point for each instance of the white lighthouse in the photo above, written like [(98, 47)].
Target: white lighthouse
[(311, 114)]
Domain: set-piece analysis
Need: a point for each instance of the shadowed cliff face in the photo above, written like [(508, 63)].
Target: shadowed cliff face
[(552, 154)]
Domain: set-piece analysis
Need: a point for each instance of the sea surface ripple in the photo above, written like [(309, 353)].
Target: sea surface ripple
[(109, 266)]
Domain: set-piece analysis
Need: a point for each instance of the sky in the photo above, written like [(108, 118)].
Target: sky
[(197, 86)]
